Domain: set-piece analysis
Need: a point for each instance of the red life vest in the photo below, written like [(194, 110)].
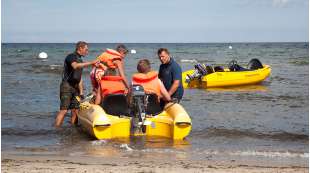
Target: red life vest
[(149, 81), (109, 56), (112, 85)]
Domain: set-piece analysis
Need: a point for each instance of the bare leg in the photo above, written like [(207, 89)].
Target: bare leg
[(60, 118), (74, 113), (98, 96)]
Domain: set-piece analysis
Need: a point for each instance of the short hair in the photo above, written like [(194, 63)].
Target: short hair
[(162, 50), (122, 48), (144, 66), (80, 44)]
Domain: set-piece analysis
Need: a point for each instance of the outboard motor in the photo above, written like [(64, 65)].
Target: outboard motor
[(200, 70), (139, 102), (255, 64)]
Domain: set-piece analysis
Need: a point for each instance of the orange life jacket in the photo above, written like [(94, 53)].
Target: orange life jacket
[(109, 56), (112, 85), (149, 81)]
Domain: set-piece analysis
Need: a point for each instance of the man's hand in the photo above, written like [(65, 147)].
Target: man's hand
[(76, 65), (94, 62), (174, 87), (103, 66)]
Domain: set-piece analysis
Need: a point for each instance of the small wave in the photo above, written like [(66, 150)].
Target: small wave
[(126, 147), (22, 50), (98, 142), (258, 97), (299, 62), (26, 132), (54, 68), (189, 61), (36, 132), (270, 154), (254, 153), (232, 133)]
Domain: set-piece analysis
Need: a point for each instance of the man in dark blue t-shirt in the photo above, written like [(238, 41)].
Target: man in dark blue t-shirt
[(170, 73)]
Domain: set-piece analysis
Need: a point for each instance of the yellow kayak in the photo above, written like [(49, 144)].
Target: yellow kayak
[(225, 77), (115, 120)]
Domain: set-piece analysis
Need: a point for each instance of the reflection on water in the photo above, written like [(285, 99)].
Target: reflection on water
[(244, 88)]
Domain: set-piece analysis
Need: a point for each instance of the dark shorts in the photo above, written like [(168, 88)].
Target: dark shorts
[(68, 96)]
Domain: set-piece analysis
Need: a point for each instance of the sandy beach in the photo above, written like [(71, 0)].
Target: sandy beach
[(19, 163)]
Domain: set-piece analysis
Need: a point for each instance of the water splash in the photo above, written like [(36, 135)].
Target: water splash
[(126, 147)]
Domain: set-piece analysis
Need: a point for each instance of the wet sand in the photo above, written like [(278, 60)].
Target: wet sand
[(20, 163)]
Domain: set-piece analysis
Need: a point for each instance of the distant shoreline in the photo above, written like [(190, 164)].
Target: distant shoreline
[(157, 42)]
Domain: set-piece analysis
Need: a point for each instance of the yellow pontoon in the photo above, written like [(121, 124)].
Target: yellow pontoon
[(115, 118)]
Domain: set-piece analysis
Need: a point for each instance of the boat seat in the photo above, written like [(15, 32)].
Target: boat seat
[(116, 104), (209, 69), (255, 64), (153, 107), (218, 69), (237, 68)]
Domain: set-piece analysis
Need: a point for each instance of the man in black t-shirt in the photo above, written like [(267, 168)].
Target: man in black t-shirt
[(72, 84)]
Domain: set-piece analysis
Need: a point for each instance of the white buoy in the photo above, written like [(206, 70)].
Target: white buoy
[(230, 47), (43, 55), (133, 51)]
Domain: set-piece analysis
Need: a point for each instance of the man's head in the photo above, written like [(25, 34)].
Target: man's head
[(163, 55), (122, 49), (144, 66), (81, 48)]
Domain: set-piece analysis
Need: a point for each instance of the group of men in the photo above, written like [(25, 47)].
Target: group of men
[(108, 77)]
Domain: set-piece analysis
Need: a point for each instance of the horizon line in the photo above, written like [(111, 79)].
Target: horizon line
[(155, 42)]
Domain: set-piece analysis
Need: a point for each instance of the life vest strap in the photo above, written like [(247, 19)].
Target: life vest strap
[(112, 78), (140, 79)]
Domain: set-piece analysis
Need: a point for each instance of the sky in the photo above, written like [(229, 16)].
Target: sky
[(154, 21)]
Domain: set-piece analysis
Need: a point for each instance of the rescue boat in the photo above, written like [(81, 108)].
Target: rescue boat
[(206, 76), (120, 117)]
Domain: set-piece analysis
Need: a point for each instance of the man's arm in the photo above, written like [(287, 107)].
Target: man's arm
[(164, 91), (76, 65), (122, 72), (81, 87), (174, 87), (177, 77)]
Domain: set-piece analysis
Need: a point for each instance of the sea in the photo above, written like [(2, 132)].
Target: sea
[(264, 123)]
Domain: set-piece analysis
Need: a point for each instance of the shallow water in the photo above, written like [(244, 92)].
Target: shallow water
[(264, 121)]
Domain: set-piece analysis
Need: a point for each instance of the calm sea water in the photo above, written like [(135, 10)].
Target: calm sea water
[(268, 121)]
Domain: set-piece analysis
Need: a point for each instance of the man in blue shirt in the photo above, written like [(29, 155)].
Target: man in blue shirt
[(170, 73)]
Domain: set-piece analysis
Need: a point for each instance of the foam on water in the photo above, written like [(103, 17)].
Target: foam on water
[(98, 142), (126, 147), (270, 154), (189, 61)]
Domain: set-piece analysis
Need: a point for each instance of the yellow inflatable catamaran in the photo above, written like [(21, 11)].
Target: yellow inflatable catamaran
[(115, 118), (204, 76)]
